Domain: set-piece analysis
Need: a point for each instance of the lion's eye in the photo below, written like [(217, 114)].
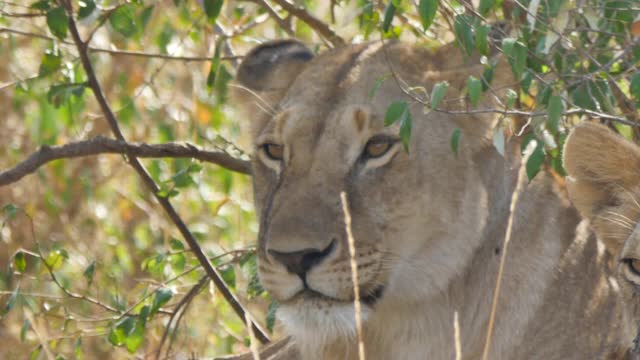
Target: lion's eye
[(376, 149), (633, 265), (274, 151)]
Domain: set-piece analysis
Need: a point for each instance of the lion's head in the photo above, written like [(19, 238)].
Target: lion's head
[(317, 124), (604, 184)]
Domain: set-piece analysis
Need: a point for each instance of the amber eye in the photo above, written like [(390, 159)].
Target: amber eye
[(274, 151), (633, 265), (376, 149)]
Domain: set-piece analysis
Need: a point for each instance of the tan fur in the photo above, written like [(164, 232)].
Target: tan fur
[(428, 224), (604, 184)]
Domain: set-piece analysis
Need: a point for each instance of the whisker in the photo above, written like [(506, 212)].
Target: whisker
[(616, 221), (264, 106), (621, 217), (631, 196)]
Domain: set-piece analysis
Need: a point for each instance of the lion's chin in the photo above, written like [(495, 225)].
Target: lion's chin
[(320, 321)]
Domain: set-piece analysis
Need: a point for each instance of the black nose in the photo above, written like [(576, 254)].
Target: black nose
[(299, 262)]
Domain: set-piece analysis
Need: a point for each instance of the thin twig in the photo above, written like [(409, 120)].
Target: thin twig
[(148, 181), (284, 24), (316, 24), (180, 308), (456, 335), (104, 145), (505, 248), (116, 52)]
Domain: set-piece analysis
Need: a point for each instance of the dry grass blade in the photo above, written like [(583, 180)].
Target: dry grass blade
[(354, 274), (507, 239), (456, 335), (253, 344)]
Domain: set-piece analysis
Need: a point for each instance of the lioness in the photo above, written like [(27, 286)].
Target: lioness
[(428, 223), (604, 184)]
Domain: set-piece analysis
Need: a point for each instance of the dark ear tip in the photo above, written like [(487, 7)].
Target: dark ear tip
[(264, 58)]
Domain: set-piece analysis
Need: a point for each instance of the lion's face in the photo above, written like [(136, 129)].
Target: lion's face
[(604, 185), (317, 132)]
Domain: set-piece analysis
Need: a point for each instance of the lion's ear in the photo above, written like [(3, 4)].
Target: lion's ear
[(266, 73), (603, 169)]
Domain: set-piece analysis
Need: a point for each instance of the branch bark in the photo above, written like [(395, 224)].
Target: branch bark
[(104, 145), (116, 52), (148, 181), (316, 24)]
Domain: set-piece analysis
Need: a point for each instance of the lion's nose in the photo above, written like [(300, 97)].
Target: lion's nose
[(301, 261)]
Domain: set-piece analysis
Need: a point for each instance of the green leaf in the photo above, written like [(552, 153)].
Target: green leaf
[(485, 6), (215, 65), (77, 348), (395, 111), (134, 338), (487, 77), (482, 39), (123, 20), (144, 18), (389, 13), (377, 85), (455, 141), (405, 129), (437, 93), (176, 244), (58, 22), (10, 210), (89, 272), (26, 325), (271, 315), (427, 10), (222, 82), (155, 265), (51, 61), (121, 330), (194, 168), (555, 109), (20, 261), (634, 86), (41, 5), (511, 97), (229, 275), (56, 259), (35, 353), (516, 53), (177, 262), (474, 89), (85, 8), (535, 160), (254, 288), (462, 26), (11, 302), (182, 179), (212, 9), (61, 93), (160, 297)]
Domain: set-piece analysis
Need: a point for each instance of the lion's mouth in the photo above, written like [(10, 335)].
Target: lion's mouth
[(369, 299)]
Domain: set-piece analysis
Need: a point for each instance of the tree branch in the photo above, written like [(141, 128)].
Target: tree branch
[(104, 145), (116, 52), (148, 181), (284, 24), (316, 24)]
